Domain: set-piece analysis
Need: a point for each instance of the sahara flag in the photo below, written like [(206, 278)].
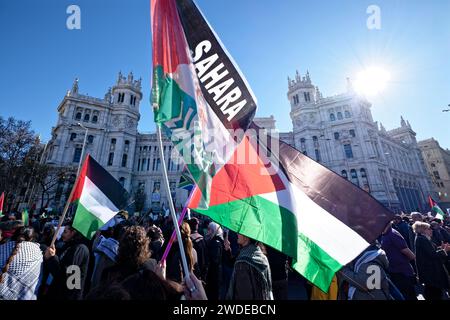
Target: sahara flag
[(25, 217), (99, 197), (439, 213), (288, 201), (202, 102), (2, 199)]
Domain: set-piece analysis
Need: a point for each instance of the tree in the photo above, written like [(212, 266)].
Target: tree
[(19, 151)]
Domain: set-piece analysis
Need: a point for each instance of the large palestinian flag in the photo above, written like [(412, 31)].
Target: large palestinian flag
[(438, 212), (295, 205), (98, 197), (201, 101)]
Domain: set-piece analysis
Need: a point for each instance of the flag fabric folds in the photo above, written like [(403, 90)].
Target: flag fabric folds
[(438, 212), (295, 205), (98, 195), (202, 102)]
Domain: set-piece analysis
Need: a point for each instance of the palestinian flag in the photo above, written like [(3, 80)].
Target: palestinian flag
[(2, 200), (295, 205), (438, 212), (25, 217), (98, 197), (202, 102)]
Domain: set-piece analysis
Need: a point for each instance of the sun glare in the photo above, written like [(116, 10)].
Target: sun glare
[(371, 81)]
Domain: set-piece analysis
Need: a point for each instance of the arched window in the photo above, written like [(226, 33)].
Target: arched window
[(95, 119), (73, 136), (113, 144), (124, 160), (332, 117), (339, 116), (86, 117), (90, 139), (363, 173), (347, 114), (344, 174), (78, 116)]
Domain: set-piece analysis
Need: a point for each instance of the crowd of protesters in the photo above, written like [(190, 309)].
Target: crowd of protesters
[(123, 262)]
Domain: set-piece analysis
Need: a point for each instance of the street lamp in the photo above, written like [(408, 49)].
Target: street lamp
[(84, 145)]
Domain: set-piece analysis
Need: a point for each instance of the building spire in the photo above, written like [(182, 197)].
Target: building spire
[(402, 121)]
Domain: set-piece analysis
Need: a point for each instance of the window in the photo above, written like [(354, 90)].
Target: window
[(127, 145), (111, 159), (124, 160), (316, 141), (73, 136), (302, 144), (307, 96), (144, 162), (436, 174), (78, 116), (442, 185), (363, 173), (336, 136), (133, 100), (352, 133), (344, 174), (339, 115), (95, 119), (121, 98), (90, 139), (158, 163), (354, 177), (433, 165), (172, 186), (317, 155), (139, 165), (122, 181), (113, 144), (86, 117), (148, 164), (77, 155), (295, 99), (348, 151), (332, 117), (347, 114)]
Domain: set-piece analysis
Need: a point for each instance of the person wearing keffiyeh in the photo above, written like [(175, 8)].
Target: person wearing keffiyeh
[(21, 263)]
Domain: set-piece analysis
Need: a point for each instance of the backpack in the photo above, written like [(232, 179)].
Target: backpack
[(200, 247)]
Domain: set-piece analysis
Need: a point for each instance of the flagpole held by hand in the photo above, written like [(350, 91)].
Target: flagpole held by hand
[(171, 207)]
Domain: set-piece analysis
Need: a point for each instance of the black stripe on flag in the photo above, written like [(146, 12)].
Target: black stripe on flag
[(197, 30)]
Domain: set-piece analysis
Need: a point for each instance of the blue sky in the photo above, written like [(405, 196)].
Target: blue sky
[(269, 39)]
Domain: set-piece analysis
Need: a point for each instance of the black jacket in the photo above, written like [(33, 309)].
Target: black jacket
[(72, 253), (430, 263)]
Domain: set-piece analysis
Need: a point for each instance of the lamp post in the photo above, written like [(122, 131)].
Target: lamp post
[(82, 149)]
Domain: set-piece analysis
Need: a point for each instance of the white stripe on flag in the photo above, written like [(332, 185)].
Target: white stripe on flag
[(96, 202)]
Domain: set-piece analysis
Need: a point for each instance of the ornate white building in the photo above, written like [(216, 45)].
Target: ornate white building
[(336, 131), (112, 139), (340, 133)]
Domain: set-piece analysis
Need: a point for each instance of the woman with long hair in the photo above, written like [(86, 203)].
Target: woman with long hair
[(20, 263)]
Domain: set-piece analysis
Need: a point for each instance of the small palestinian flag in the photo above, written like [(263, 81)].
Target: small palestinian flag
[(2, 199), (98, 196), (25, 217), (439, 213)]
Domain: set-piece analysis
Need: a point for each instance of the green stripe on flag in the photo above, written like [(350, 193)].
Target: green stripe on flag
[(85, 222), (267, 222)]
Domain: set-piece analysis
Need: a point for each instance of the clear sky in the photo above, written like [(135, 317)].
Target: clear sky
[(269, 39)]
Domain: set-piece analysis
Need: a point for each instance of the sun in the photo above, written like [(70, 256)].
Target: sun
[(371, 81)]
